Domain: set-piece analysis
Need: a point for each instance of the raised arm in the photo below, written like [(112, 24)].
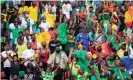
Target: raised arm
[(70, 55), (43, 6)]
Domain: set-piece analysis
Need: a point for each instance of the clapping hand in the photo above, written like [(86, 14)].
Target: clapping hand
[(6, 51)]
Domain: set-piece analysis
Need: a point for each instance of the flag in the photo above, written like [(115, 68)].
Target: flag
[(62, 32), (128, 19)]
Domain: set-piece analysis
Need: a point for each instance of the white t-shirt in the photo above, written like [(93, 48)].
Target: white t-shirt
[(29, 53), (6, 62), (66, 8), (24, 24), (45, 26), (25, 40), (12, 26)]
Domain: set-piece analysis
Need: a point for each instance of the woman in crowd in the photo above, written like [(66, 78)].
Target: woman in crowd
[(44, 53)]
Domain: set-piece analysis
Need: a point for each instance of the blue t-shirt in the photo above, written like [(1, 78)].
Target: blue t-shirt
[(84, 38), (128, 63)]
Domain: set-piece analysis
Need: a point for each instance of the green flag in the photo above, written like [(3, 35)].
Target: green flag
[(82, 62), (62, 32)]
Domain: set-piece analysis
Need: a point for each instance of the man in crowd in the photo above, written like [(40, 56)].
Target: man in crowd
[(58, 58), (28, 55)]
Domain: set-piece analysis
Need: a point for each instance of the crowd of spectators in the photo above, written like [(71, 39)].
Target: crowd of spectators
[(66, 40)]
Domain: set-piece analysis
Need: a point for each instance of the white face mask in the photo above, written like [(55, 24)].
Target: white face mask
[(43, 21), (26, 15)]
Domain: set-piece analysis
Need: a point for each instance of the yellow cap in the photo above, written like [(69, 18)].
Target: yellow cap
[(94, 56)]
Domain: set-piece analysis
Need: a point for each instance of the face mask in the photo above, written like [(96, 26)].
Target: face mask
[(26, 15), (44, 46), (34, 4), (43, 21)]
